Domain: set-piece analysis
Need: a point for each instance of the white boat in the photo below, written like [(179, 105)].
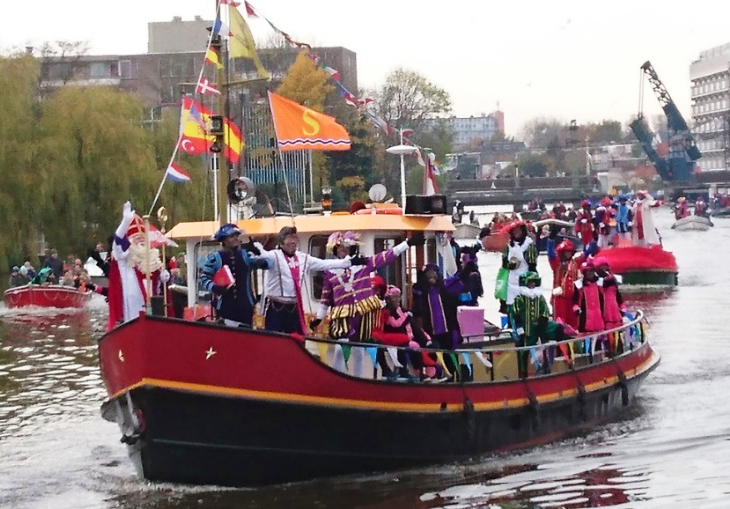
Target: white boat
[(465, 231), (692, 223)]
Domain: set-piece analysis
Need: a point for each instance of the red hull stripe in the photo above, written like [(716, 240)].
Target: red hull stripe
[(375, 405)]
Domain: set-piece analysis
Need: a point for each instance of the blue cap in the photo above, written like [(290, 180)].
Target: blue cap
[(225, 231)]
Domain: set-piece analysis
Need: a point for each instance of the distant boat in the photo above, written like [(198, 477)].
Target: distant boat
[(47, 296), (465, 231), (692, 222)]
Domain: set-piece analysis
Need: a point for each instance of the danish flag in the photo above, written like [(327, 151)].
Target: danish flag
[(204, 87)]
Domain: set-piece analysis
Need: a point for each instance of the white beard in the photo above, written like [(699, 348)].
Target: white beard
[(531, 292), (137, 258)]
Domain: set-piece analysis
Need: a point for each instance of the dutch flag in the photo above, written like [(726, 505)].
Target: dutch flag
[(176, 174)]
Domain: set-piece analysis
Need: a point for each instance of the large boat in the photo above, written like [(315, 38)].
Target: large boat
[(50, 296), (199, 402), (645, 266), (202, 403)]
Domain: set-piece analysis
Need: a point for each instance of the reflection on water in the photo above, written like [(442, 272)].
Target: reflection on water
[(670, 449)]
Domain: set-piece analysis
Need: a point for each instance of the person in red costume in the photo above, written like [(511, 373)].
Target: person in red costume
[(566, 271), (588, 300), (613, 303), (682, 209), (584, 223)]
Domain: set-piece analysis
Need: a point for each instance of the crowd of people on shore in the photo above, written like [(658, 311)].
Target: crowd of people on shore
[(54, 270)]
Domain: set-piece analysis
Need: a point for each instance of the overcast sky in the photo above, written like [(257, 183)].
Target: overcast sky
[(567, 59)]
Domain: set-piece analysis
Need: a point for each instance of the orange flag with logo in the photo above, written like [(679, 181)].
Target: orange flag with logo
[(299, 128)]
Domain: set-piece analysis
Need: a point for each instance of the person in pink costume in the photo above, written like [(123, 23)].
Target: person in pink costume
[(588, 300), (400, 330)]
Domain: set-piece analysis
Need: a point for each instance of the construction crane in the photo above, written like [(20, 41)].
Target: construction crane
[(679, 166)]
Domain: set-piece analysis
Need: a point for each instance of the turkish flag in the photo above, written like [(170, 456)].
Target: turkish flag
[(193, 146)]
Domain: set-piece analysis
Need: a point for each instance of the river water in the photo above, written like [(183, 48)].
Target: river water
[(671, 448)]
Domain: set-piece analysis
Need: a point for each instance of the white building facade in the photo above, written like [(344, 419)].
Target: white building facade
[(710, 76)]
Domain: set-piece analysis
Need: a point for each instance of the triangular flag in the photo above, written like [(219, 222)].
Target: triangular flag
[(299, 128), (249, 10), (241, 43)]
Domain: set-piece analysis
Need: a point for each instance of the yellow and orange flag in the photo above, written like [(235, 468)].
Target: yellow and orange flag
[(299, 128)]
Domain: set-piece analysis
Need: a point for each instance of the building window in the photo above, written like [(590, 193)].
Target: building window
[(60, 71), (125, 69), (99, 70)]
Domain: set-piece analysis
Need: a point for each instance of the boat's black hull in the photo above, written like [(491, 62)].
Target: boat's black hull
[(209, 439)]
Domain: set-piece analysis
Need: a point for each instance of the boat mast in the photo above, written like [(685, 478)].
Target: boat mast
[(222, 182)]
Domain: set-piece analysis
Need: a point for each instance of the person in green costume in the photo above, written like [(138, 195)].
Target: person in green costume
[(529, 315)]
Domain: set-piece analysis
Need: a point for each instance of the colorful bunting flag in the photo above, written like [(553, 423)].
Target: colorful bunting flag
[(335, 74), (250, 11)]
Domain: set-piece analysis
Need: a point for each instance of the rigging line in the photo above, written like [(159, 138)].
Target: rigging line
[(183, 120)]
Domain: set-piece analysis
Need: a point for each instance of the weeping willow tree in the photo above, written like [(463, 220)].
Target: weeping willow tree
[(70, 160), (19, 212), (95, 155)]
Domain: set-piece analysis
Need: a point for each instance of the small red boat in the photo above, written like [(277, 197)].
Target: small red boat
[(642, 265), (47, 296)]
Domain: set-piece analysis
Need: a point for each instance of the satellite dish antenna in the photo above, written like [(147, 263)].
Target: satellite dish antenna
[(377, 192)]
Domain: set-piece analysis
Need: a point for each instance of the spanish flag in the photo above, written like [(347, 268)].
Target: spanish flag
[(299, 128), (194, 137), (212, 57)]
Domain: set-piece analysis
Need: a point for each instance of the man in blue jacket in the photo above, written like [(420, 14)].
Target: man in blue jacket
[(235, 303)]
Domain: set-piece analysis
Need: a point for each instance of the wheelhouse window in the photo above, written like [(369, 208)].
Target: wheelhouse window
[(318, 248), (393, 273)]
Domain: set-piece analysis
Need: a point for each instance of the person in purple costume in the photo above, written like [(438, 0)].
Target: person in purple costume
[(435, 301), (348, 298)]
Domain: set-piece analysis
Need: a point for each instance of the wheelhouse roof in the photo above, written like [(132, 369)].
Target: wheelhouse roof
[(314, 224)]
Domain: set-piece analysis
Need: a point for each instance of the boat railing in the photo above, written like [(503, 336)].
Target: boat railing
[(495, 359)]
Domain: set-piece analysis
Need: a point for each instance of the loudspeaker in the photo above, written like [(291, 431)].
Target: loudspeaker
[(420, 204)]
